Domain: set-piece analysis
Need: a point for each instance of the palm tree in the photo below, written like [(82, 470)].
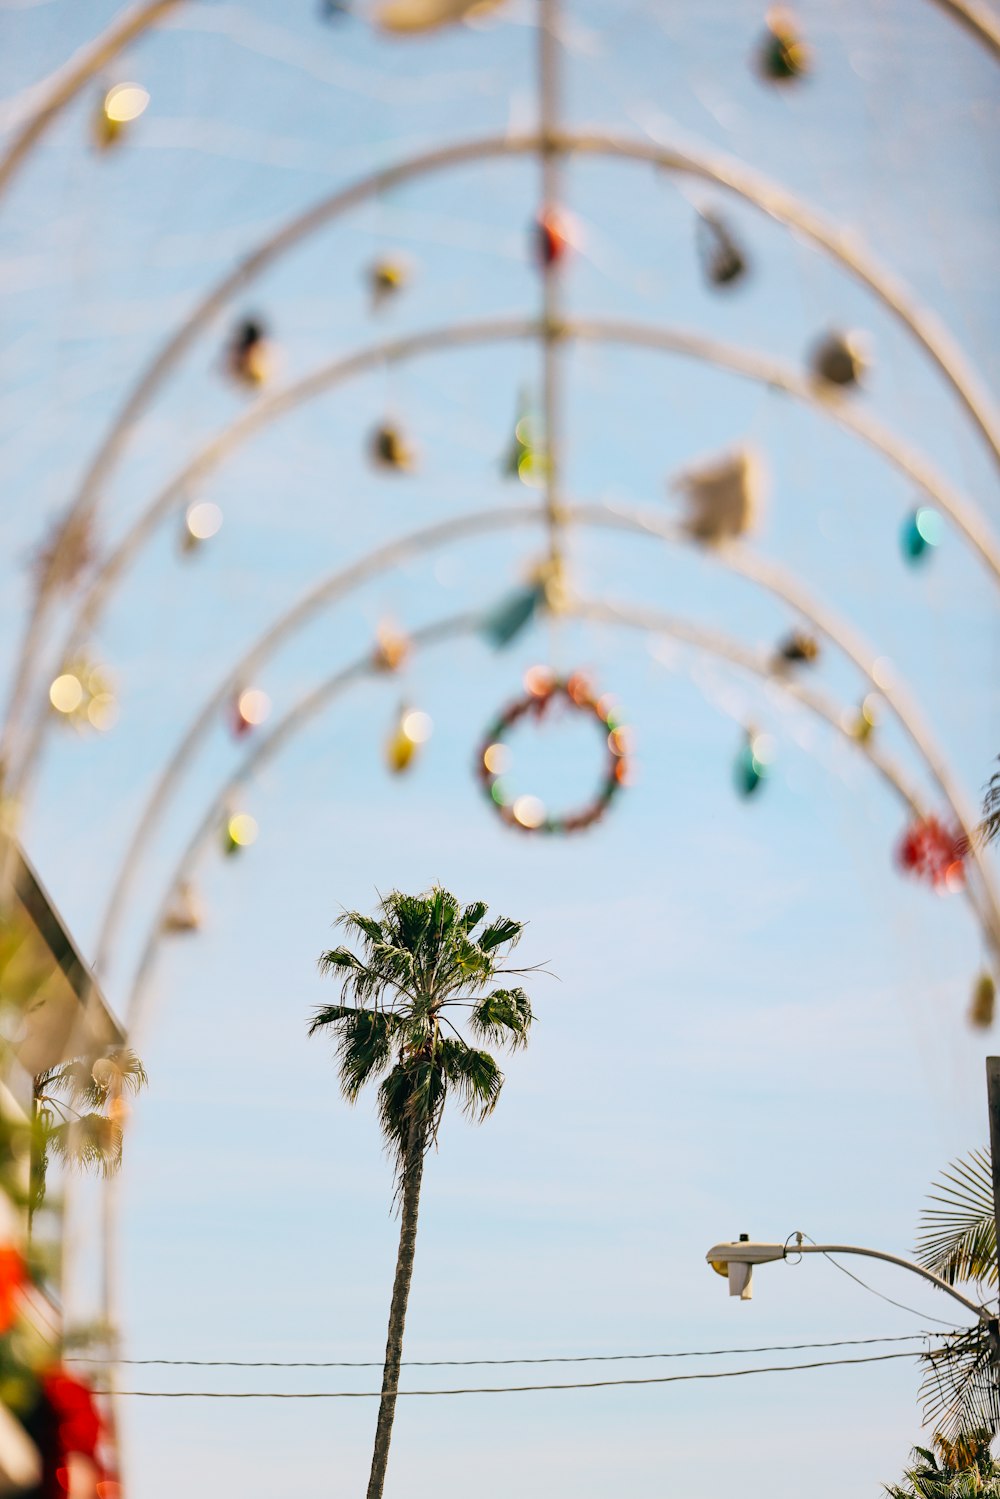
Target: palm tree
[(421, 956), (90, 1140), (966, 1470), (958, 1241)]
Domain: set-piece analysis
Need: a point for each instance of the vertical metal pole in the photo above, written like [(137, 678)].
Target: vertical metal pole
[(993, 1097), (549, 106)]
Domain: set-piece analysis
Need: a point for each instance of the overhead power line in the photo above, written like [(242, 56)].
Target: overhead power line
[(597, 1384), (465, 1363)]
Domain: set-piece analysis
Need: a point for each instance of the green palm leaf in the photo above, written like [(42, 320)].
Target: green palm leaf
[(959, 1235)]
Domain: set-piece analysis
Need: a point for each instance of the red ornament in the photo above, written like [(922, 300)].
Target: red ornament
[(551, 241), (930, 851)]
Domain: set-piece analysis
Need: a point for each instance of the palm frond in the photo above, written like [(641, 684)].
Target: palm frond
[(88, 1142), (989, 828), (474, 1075), (959, 1237), (473, 914), (960, 1391), (503, 1017), (500, 933)]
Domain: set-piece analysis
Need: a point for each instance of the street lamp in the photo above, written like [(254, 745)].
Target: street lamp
[(736, 1262)]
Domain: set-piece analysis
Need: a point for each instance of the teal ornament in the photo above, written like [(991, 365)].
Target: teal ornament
[(512, 615), (921, 531), (749, 771)]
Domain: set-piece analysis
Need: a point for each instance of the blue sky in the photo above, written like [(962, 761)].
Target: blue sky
[(755, 1024)]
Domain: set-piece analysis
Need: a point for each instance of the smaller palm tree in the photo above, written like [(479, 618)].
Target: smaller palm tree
[(425, 960), (79, 1114), (961, 1469)]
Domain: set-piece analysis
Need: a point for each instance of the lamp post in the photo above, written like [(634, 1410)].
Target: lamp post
[(736, 1262)]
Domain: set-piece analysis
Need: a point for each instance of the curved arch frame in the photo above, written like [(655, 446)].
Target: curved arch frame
[(731, 175), (738, 361), (736, 559)]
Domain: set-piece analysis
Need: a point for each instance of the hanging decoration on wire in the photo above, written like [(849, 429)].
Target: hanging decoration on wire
[(524, 458), (386, 278), (239, 831), (753, 763), (392, 647), (202, 521), (544, 694), (862, 721), (551, 237), (248, 357), (334, 10), (725, 497), (119, 108), (84, 695), (723, 260), (546, 588), (797, 649), (411, 730), (934, 853), (922, 531), (783, 55), (248, 709), (390, 450), (840, 359), (185, 912), (983, 1005)]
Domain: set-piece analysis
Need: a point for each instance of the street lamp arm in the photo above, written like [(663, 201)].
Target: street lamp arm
[(746, 1253)]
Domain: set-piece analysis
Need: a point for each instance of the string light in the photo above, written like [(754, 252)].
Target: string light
[(249, 354), (202, 521), (240, 831), (412, 729), (121, 106), (921, 532), (783, 56)]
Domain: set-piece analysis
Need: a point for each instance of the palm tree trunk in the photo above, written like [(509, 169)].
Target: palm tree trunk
[(413, 1170)]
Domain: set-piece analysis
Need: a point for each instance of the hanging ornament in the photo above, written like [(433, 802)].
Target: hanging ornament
[(543, 691), (546, 588), (185, 912), (512, 615), (861, 723), (983, 1006), (334, 10), (83, 695), (524, 458), (753, 763), (722, 260), (121, 105), (798, 649), (411, 730), (724, 497), (201, 522), (238, 831), (783, 55), (551, 237), (840, 358), (933, 853), (385, 279), (922, 531), (249, 708), (403, 16), (389, 450), (249, 353), (392, 647)]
